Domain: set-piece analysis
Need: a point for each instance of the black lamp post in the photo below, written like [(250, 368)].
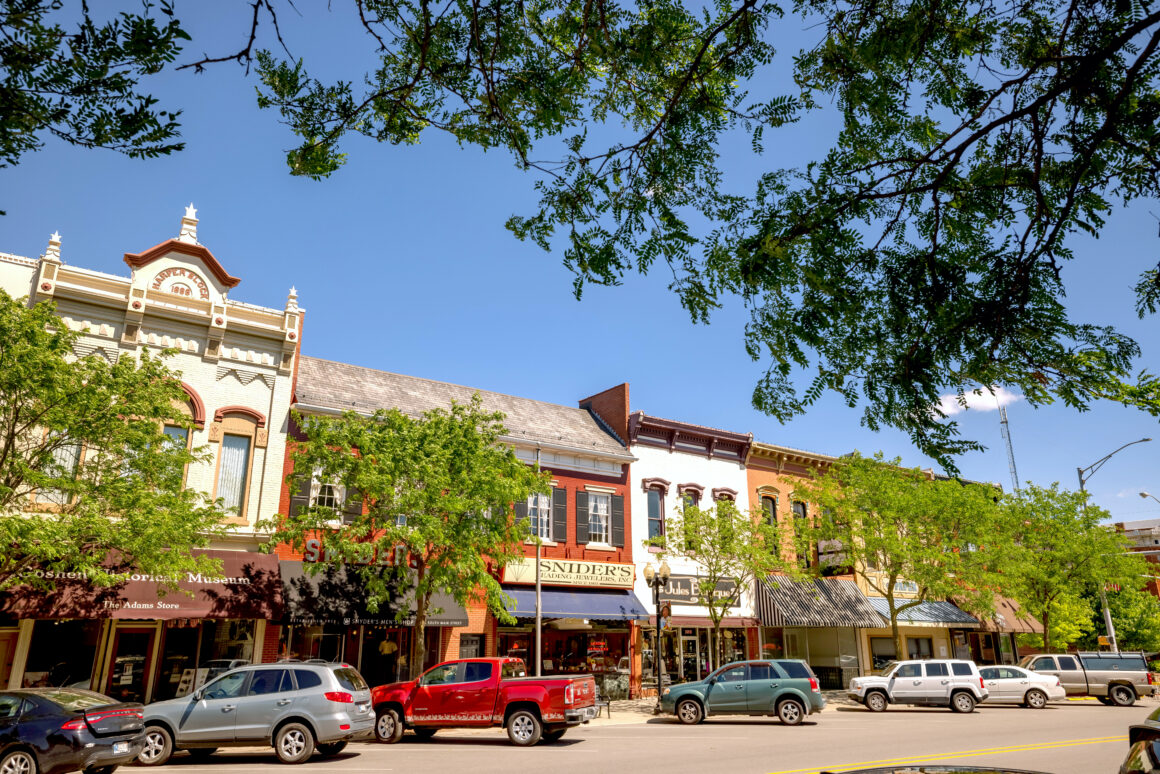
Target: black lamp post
[(656, 580)]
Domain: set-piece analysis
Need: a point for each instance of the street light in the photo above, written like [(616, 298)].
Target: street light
[(1146, 495), (656, 580), (1090, 471)]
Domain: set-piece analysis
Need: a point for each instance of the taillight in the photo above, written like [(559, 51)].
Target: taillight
[(569, 693), (814, 687), (1150, 680), (76, 724), (342, 697), (981, 686)]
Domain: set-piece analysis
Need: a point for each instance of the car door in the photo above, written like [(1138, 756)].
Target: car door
[(727, 692), (1071, 675), (993, 682), (937, 683), (212, 714), (1017, 683), (10, 730), (473, 699), (1045, 665), (906, 683), (765, 681), (434, 698), (268, 696)]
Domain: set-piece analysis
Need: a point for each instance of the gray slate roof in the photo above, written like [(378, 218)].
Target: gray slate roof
[(346, 387), (823, 602), (927, 612)]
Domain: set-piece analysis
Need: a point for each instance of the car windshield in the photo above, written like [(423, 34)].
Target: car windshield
[(78, 701), (888, 668)]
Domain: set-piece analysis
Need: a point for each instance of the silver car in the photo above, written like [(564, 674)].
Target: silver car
[(1014, 685), (294, 707)]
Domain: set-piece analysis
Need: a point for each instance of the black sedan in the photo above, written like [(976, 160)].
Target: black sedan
[(54, 730)]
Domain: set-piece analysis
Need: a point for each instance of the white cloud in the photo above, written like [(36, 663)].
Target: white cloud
[(979, 400)]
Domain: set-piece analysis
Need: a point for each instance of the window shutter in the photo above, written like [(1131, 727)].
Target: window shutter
[(618, 521), (299, 496), (522, 515), (581, 518), (560, 515), (353, 506)]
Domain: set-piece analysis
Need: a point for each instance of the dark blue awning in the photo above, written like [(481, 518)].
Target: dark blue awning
[(601, 604)]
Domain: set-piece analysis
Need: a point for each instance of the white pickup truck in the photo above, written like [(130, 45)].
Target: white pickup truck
[(938, 682)]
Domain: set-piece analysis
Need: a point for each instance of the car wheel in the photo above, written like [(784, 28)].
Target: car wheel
[(524, 728), (157, 748), (963, 702), (331, 750), (689, 712), (1035, 699), (294, 743), (790, 712), (388, 726), (554, 736), (18, 762), (875, 701), (425, 733), (1104, 700), (201, 753), (1122, 696)]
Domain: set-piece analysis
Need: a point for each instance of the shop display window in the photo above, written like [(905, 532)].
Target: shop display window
[(329, 642), (385, 651), (195, 654), (62, 653)]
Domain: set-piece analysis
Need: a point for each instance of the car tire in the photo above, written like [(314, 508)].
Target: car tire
[(18, 762), (790, 712), (331, 749), (158, 746), (388, 726), (554, 736), (294, 743), (876, 701), (962, 702), (201, 753), (1104, 700), (689, 712), (1035, 699), (1122, 695), (425, 733), (524, 728)]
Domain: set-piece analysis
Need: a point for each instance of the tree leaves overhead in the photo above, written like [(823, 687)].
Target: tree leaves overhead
[(920, 255)]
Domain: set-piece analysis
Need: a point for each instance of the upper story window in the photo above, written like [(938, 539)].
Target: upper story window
[(769, 508), (178, 435), (66, 461), (599, 518), (540, 516), (233, 472), (800, 514), (328, 496), (656, 513)]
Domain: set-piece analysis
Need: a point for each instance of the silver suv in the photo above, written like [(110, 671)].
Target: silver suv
[(295, 707), (938, 682)]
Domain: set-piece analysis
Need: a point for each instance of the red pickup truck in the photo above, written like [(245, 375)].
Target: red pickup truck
[(481, 692)]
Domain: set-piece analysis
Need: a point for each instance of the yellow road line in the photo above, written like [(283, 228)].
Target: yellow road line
[(934, 757)]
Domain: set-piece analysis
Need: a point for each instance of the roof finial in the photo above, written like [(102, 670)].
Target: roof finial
[(292, 299), (189, 226), (53, 251)]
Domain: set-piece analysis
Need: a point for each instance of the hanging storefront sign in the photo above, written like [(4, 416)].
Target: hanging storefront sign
[(568, 572), (686, 590)]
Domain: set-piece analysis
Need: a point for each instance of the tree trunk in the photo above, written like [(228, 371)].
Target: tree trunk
[(899, 651), (1047, 629), (420, 648)]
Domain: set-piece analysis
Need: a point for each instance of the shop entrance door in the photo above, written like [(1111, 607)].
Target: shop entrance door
[(129, 665), (690, 655), (7, 652)]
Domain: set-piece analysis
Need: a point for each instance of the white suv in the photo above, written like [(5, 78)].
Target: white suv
[(939, 682)]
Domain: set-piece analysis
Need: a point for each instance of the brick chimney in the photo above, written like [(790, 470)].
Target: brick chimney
[(611, 406)]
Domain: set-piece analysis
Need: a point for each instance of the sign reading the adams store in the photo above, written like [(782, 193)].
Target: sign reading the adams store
[(570, 572)]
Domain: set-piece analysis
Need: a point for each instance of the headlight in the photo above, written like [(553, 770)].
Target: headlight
[(666, 692)]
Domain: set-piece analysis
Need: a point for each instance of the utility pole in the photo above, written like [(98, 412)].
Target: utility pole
[(1006, 430)]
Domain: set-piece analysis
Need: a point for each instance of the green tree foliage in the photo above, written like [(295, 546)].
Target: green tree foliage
[(895, 524), (438, 488), (66, 74), (1060, 552), (89, 481), (1075, 620), (920, 255), (728, 547), (1136, 615)]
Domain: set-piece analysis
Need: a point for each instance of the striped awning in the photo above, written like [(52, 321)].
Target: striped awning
[(825, 602), (929, 612)]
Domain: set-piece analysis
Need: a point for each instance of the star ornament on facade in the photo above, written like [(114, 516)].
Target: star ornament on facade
[(190, 212), (55, 237)]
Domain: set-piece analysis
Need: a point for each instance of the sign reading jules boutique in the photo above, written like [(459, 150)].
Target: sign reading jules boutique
[(570, 572), (686, 590)]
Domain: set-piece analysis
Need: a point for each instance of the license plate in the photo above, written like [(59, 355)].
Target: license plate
[(590, 712), (120, 747), (364, 707)]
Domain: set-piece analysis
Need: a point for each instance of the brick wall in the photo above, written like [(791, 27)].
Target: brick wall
[(269, 653), (479, 621), (612, 407)]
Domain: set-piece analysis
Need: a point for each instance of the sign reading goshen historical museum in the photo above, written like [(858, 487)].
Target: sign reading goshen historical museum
[(570, 572)]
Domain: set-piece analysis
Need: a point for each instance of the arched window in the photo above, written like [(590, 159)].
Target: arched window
[(238, 431)]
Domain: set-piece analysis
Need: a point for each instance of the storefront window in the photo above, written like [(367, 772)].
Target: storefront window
[(882, 651), (62, 653), (1007, 648), (919, 647), (178, 660), (329, 642), (773, 644), (602, 653), (191, 656), (384, 654)]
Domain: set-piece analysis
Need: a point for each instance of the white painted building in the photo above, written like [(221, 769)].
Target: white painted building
[(678, 461)]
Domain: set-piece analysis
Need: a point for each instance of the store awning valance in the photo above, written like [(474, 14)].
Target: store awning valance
[(930, 612), (819, 602), (248, 586), (598, 604), (335, 595)]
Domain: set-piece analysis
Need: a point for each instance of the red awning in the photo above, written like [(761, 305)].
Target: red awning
[(249, 586)]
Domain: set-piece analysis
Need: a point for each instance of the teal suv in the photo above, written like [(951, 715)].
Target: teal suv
[(786, 688)]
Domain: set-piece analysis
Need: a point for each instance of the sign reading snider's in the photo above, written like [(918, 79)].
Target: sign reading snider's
[(570, 572)]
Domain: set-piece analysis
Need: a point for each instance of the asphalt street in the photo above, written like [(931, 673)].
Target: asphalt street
[(1066, 738)]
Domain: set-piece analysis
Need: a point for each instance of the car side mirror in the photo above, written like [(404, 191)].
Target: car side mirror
[(199, 694), (712, 681), (1143, 734)]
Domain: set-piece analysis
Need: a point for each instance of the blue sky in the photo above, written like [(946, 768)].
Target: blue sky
[(402, 263)]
